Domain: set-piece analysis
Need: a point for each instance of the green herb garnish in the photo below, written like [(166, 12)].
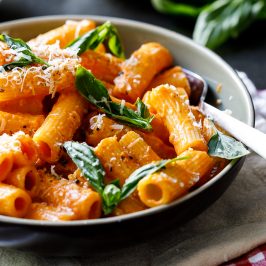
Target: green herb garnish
[(217, 20), (18, 45), (92, 39), (91, 168), (95, 92), (223, 146), (224, 19), (176, 8)]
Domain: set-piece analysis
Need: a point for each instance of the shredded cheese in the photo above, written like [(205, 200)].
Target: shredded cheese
[(96, 121), (53, 172), (61, 61), (117, 126)]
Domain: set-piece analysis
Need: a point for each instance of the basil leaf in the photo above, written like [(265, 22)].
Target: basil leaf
[(148, 169), (174, 8), (93, 38), (89, 164), (90, 87), (111, 195), (115, 44), (21, 47), (224, 19), (95, 92), (223, 146), (142, 109), (116, 182)]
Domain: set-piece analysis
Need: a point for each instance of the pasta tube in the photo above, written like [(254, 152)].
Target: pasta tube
[(14, 201), (43, 211), (129, 205), (30, 105), (138, 148), (139, 70), (85, 203), (163, 150), (173, 76), (115, 160), (6, 163), (11, 123), (175, 181), (171, 104), (60, 125), (64, 34), (26, 178), (24, 150), (79, 179), (103, 66)]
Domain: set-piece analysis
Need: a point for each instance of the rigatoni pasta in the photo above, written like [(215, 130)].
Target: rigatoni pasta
[(12, 123), (172, 105), (175, 181), (26, 178), (64, 34), (139, 70), (45, 212), (86, 133), (14, 201), (173, 76), (60, 125), (84, 203)]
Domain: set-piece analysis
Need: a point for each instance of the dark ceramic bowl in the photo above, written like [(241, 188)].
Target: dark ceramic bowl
[(86, 236)]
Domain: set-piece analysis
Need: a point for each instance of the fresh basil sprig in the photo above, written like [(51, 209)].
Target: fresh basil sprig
[(223, 146), (224, 19), (21, 47), (217, 20), (93, 38), (89, 164), (95, 92)]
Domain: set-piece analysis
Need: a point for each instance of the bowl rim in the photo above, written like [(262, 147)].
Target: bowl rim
[(159, 30)]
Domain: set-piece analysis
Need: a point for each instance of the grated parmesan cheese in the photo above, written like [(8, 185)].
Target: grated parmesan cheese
[(53, 172), (197, 124), (60, 61), (96, 121), (122, 106), (117, 126)]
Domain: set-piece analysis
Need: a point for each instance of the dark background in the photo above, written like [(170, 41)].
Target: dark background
[(246, 53)]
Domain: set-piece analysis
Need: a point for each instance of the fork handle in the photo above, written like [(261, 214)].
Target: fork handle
[(251, 137)]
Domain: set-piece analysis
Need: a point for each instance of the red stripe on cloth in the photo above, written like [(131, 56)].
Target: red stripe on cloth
[(256, 257)]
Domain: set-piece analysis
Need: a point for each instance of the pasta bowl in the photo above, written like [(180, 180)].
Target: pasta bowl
[(77, 237)]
